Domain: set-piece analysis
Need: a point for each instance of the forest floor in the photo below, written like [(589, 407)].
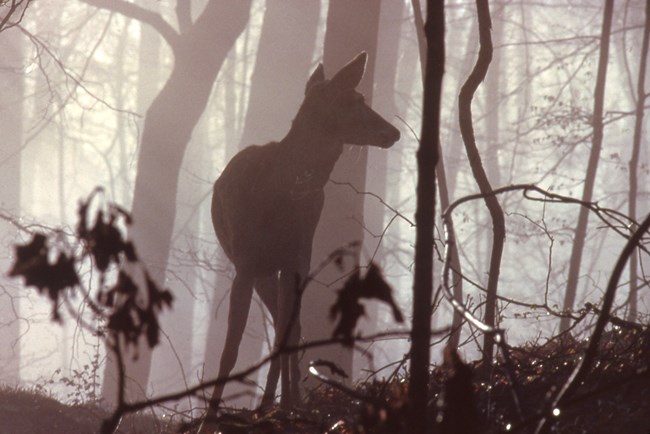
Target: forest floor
[(614, 398)]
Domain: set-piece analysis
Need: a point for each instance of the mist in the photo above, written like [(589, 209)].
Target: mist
[(150, 100)]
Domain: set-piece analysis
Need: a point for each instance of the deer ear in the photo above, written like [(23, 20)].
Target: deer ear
[(318, 76), (350, 75)]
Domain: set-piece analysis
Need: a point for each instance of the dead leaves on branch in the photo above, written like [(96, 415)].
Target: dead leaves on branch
[(129, 309), (348, 306), (32, 263)]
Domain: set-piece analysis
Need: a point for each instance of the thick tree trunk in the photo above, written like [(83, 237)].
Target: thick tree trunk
[(592, 168), (427, 159), (351, 28), (282, 66), (378, 175), (199, 53), (12, 87)]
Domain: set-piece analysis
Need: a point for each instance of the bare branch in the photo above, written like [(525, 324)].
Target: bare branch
[(17, 7), (184, 15), (141, 14)]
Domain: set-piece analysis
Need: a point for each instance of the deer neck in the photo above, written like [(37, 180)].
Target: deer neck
[(311, 156)]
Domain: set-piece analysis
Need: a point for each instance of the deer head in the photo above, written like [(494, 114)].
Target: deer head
[(336, 110)]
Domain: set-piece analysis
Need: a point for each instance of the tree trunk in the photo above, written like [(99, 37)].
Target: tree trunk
[(453, 147), (12, 94), (467, 131), (492, 101), (199, 52), (389, 41), (443, 191), (634, 162), (282, 66), (427, 159), (592, 168), (351, 28)]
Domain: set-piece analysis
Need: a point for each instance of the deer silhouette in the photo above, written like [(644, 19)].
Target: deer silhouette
[(266, 205)]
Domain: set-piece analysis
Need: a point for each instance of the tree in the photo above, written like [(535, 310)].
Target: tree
[(379, 164), (282, 65), (12, 13), (634, 161), (12, 88), (467, 131), (167, 130), (351, 28), (592, 168), (427, 158)]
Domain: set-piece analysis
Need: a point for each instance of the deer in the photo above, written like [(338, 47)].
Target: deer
[(266, 205)]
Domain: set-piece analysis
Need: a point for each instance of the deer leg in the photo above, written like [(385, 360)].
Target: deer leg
[(240, 301), (267, 289), (288, 335), (295, 368)]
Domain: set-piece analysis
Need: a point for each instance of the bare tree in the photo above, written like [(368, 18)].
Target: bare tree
[(389, 43), (286, 47), (592, 167), (12, 96), (351, 28), (427, 158), (639, 110), (199, 49), (467, 131)]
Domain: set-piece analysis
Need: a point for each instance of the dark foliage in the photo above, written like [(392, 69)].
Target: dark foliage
[(348, 307), (33, 264), (130, 309), (613, 399), (456, 404)]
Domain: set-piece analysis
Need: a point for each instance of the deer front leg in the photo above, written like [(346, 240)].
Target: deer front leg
[(287, 335), (240, 301), (267, 289)]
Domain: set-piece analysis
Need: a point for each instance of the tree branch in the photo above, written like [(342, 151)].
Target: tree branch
[(141, 14), (16, 8), (184, 15)]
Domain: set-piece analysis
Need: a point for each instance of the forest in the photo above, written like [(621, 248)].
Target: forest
[(428, 216)]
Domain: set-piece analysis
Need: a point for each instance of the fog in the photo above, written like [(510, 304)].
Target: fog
[(150, 100)]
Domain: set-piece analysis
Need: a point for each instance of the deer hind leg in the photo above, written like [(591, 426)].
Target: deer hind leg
[(287, 335), (240, 302), (267, 289)]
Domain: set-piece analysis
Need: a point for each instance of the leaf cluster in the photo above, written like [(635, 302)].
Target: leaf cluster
[(348, 307), (129, 310)]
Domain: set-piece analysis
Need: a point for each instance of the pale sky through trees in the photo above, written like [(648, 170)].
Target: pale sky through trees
[(76, 77)]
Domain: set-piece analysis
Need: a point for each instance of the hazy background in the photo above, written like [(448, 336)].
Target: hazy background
[(76, 83)]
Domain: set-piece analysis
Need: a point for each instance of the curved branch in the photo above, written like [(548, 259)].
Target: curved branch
[(467, 132), (141, 14)]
